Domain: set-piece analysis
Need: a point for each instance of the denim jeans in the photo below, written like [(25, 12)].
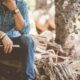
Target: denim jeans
[(27, 45)]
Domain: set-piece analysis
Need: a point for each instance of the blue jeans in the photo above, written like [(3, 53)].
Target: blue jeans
[(27, 45)]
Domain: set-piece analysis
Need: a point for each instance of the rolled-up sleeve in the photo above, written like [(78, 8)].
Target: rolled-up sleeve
[(22, 5)]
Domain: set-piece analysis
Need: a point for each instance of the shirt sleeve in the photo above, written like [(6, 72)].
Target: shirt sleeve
[(22, 5)]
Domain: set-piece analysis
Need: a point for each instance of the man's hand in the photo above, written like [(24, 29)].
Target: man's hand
[(8, 44), (10, 4)]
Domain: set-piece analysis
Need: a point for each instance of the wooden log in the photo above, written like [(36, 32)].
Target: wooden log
[(62, 71), (68, 72), (58, 72)]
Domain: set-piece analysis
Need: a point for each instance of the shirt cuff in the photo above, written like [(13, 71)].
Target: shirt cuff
[(26, 28)]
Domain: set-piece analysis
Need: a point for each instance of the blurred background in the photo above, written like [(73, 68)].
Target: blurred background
[(42, 17), (58, 21)]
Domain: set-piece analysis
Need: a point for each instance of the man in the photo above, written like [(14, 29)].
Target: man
[(14, 26)]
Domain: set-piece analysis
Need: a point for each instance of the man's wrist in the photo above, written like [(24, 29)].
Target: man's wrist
[(15, 11), (2, 36)]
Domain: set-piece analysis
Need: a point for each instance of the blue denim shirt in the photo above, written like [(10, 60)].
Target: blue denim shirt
[(7, 23)]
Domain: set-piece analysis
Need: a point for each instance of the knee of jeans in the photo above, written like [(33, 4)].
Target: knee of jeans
[(27, 40)]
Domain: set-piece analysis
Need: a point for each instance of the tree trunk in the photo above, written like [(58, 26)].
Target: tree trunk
[(68, 25)]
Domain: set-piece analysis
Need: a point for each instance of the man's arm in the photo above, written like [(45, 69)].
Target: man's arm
[(24, 12), (6, 41), (20, 15), (21, 22)]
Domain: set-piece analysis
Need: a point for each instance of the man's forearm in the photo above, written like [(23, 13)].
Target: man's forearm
[(1, 33), (19, 21)]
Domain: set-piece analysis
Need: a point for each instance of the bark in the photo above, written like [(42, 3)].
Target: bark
[(67, 21)]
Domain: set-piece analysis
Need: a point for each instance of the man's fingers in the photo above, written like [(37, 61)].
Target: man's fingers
[(4, 3), (6, 47), (10, 48), (7, 42)]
